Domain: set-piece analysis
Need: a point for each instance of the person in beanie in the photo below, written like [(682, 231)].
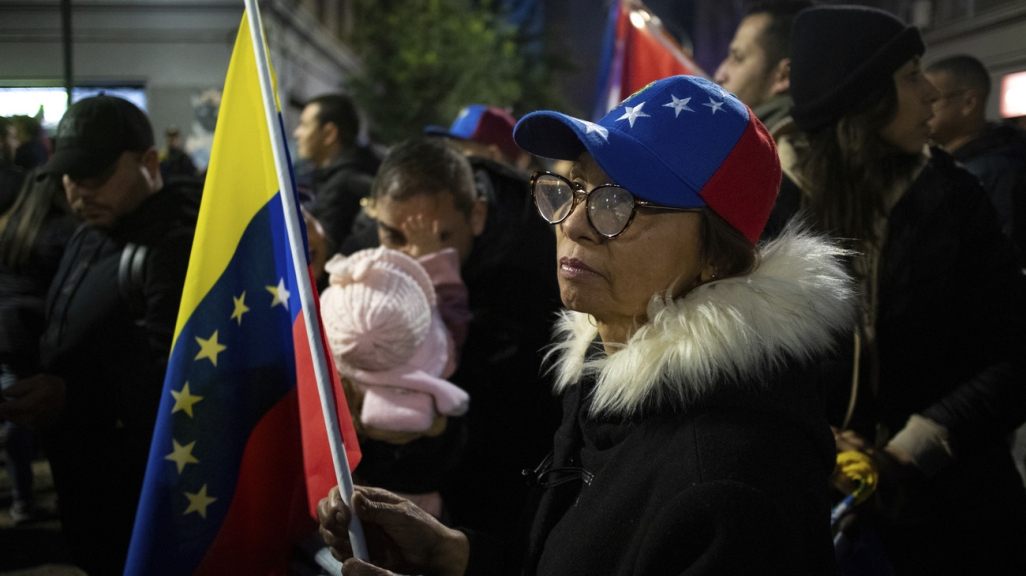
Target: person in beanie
[(931, 386), (110, 317), (693, 440)]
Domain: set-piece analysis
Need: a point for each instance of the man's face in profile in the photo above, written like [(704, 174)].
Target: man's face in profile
[(746, 71)]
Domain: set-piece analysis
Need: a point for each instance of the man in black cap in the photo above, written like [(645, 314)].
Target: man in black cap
[(111, 313)]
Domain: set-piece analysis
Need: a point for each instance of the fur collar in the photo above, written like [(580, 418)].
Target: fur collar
[(727, 332)]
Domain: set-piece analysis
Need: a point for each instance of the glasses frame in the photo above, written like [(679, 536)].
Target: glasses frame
[(579, 191)]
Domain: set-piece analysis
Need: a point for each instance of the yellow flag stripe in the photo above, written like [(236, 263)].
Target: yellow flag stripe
[(240, 180)]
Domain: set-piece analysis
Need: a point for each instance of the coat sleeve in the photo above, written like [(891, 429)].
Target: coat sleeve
[(717, 528)]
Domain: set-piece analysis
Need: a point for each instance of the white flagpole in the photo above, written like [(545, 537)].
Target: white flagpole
[(306, 294)]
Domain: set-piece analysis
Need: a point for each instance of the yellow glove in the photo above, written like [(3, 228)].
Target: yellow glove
[(860, 468)]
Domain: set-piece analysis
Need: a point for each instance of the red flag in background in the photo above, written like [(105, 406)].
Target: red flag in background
[(637, 51)]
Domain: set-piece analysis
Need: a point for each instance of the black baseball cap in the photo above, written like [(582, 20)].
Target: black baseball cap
[(93, 134)]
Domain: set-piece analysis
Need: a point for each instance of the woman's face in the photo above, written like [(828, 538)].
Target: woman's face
[(910, 129), (614, 279)]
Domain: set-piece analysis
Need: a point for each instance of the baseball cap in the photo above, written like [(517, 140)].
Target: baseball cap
[(483, 124), (681, 141), (93, 134)]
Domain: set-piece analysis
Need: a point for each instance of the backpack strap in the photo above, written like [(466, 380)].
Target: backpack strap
[(132, 278)]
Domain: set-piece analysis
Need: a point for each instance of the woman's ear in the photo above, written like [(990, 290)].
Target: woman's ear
[(708, 274), (478, 216)]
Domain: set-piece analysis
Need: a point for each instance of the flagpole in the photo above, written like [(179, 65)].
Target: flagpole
[(306, 295)]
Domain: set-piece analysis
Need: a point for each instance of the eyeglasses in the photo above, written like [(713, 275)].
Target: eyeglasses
[(610, 208)]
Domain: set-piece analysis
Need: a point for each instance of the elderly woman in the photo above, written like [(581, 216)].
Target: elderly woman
[(693, 440)]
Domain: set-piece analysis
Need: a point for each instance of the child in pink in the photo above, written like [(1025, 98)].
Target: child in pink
[(395, 325)]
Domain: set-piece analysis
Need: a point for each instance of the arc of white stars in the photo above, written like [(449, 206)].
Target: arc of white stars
[(182, 455), (210, 348), (280, 293), (240, 307), (591, 127), (716, 106), (198, 502), (678, 105), (184, 400), (633, 113)]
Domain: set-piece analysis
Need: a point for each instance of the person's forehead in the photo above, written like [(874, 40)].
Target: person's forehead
[(435, 206), (749, 32), (310, 111), (941, 78)]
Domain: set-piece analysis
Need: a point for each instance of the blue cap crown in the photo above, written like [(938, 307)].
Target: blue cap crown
[(663, 143)]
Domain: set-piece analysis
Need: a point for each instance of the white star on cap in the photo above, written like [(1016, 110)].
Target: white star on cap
[(593, 127), (679, 105), (716, 106), (633, 113)]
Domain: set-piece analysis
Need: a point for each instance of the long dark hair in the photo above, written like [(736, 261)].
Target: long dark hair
[(848, 168), (41, 196), (726, 247)]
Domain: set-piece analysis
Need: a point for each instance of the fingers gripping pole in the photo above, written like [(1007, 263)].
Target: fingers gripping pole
[(313, 326)]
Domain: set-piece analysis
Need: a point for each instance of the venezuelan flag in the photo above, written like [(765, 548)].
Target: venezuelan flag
[(232, 475)]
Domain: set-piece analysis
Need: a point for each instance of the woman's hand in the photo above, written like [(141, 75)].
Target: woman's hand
[(422, 236), (400, 536)]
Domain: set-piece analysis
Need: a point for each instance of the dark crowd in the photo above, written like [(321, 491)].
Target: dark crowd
[(774, 323)]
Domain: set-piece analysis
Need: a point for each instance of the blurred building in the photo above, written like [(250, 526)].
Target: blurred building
[(174, 53), (993, 31)]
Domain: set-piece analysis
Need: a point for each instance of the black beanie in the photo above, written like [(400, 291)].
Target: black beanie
[(842, 54)]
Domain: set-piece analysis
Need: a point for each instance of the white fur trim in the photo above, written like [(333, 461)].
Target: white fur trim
[(738, 329)]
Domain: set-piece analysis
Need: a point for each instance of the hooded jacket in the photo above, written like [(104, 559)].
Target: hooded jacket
[(700, 447), (998, 158)]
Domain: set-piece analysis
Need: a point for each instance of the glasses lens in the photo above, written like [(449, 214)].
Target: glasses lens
[(609, 209), (554, 197)]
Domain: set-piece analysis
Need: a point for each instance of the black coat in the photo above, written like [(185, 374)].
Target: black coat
[(337, 192), (23, 295), (733, 485), (998, 158), (113, 358), (951, 333)]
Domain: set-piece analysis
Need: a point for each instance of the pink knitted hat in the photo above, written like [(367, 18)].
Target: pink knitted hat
[(388, 338)]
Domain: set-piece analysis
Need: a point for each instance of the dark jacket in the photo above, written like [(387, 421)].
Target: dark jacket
[(998, 158), (513, 299), (701, 446), (112, 357), (951, 333), (337, 192), (23, 295)]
